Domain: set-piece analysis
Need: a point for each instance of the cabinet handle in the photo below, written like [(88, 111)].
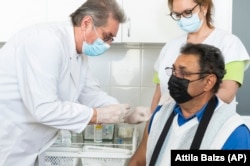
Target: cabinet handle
[(129, 26)]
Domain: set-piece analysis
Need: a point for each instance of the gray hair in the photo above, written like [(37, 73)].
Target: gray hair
[(100, 11)]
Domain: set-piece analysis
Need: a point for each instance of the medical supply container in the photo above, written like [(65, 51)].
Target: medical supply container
[(114, 151)]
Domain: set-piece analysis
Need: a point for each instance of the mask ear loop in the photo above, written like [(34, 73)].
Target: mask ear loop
[(98, 37), (84, 35), (94, 27), (95, 31)]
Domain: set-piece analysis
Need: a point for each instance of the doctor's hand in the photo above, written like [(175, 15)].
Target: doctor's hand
[(138, 115), (114, 113)]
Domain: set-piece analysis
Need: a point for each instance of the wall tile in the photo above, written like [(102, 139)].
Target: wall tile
[(125, 71), (129, 95), (147, 95), (125, 67), (101, 67), (149, 56)]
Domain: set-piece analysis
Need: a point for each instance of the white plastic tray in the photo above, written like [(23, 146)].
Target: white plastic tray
[(90, 154)]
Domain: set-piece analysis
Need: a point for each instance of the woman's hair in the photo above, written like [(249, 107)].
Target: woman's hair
[(100, 11), (210, 8)]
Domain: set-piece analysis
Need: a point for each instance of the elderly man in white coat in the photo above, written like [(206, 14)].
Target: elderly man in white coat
[(46, 84)]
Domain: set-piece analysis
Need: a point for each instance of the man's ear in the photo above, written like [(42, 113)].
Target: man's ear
[(210, 82), (87, 22)]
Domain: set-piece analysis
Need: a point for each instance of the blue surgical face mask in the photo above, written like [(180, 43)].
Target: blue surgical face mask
[(191, 24), (97, 48)]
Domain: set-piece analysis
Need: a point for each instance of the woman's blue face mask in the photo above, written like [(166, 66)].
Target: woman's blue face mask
[(191, 24)]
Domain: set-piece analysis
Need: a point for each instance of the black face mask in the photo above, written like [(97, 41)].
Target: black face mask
[(178, 89)]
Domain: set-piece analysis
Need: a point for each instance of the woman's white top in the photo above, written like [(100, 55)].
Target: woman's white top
[(229, 44)]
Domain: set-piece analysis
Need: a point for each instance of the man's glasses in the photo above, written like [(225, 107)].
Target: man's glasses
[(107, 37), (179, 73), (186, 13)]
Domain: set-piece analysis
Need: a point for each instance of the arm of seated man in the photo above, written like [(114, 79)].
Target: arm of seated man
[(236, 141), (139, 157)]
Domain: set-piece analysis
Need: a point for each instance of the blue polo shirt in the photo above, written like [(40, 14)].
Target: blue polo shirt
[(233, 140)]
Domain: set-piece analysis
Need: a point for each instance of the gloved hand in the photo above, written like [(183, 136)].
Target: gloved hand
[(138, 115), (114, 113)]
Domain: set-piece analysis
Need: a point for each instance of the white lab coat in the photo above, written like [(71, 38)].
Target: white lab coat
[(43, 88)]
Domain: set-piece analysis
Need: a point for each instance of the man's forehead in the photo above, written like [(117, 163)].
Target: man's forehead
[(188, 61)]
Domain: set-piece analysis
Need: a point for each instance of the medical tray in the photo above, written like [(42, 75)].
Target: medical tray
[(91, 153)]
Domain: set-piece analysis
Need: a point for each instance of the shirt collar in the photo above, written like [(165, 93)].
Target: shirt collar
[(182, 119)]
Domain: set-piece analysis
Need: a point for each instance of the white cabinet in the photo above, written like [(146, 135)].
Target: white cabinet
[(60, 10), (148, 21), (118, 38), (223, 14), (17, 14)]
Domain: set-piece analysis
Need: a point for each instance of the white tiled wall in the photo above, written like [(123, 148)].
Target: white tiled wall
[(126, 72)]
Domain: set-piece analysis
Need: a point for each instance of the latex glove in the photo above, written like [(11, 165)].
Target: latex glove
[(138, 115), (112, 113)]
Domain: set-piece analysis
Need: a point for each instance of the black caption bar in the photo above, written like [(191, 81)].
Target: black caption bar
[(210, 157)]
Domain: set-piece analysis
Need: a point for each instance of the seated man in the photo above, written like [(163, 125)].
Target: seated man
[(195, 118)]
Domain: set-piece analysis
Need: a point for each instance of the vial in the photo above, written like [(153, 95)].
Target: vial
[(98, 133), (66, 137)]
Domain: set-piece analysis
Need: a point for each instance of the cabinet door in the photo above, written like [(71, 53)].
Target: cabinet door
[(118, 38), (223, 14), (17, 14), (148, 22), (60, 10)]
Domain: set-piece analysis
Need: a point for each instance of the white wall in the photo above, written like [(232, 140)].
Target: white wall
[(240, 26), (126, 72)]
